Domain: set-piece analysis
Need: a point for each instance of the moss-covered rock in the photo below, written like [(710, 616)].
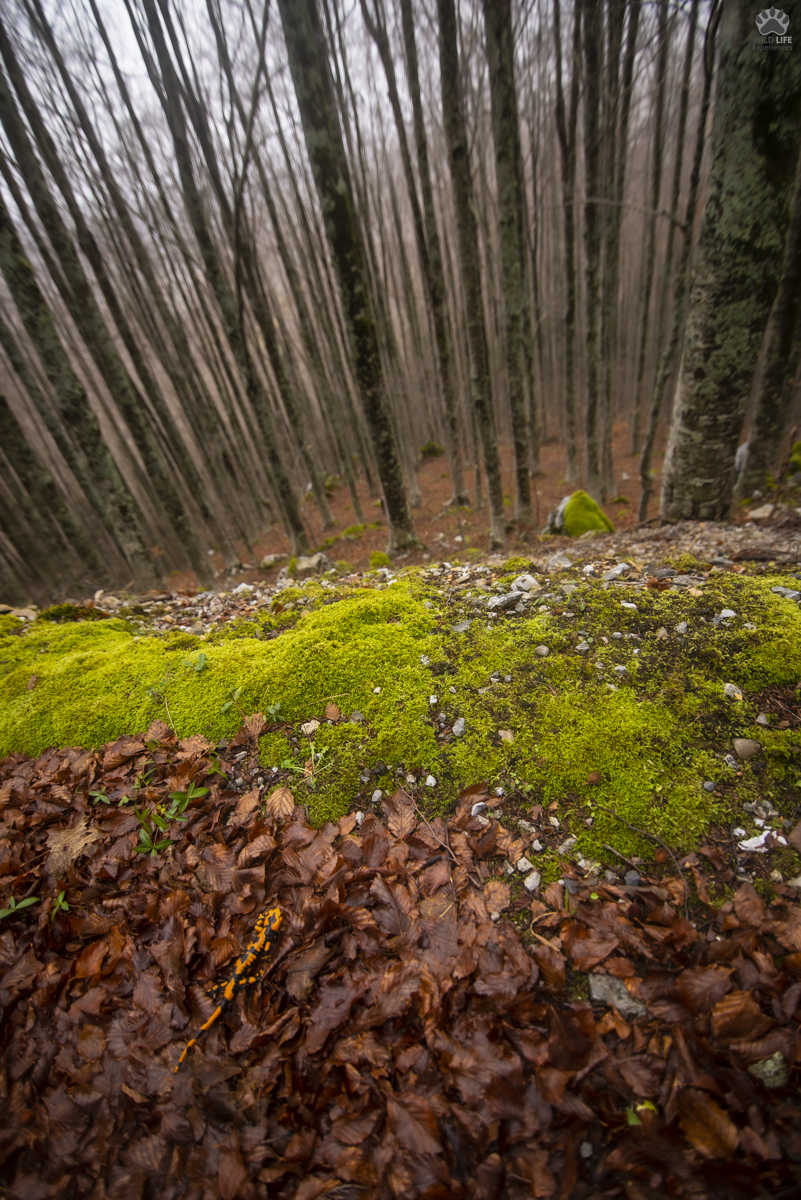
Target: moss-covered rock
[(631, 725), (582, 515)]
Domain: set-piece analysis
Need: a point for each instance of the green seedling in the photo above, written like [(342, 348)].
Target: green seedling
[(13, 907), (180, 801), (100, 797), (234, 694), (147, 837), (198, 664), (59, 906)]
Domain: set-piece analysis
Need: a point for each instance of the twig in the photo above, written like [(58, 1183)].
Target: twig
[(622, 857), (423, 817), (652, 837)]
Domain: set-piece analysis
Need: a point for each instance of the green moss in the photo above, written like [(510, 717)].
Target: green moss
[(379, 559), (582, 514), (432, 449), (516, 566), (654, 733), (354, 531)]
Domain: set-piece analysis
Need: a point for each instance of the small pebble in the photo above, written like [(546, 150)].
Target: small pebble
[(376, 691), (377, 794), (430, 781), (458, 726), (527, 827), (495, 916), (682, 627), (532, 881), (542, 651), (617, 636), (432, 700), (583, 647), (478, 807), (585, 1149), (631, 878), (524, 865), (709, 786)]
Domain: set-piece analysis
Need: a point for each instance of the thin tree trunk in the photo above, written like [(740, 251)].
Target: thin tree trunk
[(736, 269), (469, 256), (657, 162), (567, 146), (646, 456), (593, 43), (310, 72), (511, 204)]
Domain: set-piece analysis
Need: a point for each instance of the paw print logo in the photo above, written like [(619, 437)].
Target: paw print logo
[(772, 20)]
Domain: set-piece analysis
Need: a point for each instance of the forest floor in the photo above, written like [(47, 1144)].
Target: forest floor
[(441, 1015)]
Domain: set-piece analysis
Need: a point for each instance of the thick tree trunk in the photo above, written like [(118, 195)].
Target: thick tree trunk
[(308, 64), (736, 267), (511, 205), (774, 386), (469, 258)]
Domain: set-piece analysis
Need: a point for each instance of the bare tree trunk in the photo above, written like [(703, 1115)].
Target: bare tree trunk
[(458, 159), (308, 64), (567, 145), (657, 163), (665, 366), (78, 297), (593, 44), (736, 269), (511, 203)]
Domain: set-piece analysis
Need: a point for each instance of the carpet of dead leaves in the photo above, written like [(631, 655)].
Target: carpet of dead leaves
[(401, 1044)]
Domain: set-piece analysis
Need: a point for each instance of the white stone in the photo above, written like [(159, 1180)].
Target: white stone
[(725, 613), (532, 881), (458, 726), (567, 845), (359, 817), (527, 827), (495, 916), (376, 691), (524, 583), (542, 651), (377, 794), (628, 604), (433, 700), (523, 865), (478, 807), (536, 846), (732, 691), (430, 781), (762, 513)]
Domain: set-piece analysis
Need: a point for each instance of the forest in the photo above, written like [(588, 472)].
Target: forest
[(251, 256), (400, 600)]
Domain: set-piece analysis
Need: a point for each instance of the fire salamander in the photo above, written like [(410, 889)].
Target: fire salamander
[(256, 956)]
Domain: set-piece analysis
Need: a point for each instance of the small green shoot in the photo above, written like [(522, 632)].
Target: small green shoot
[(180, 801), (147, 838), (234, 694), (13, 907), (198, 664), (100, 797), (59, 906)]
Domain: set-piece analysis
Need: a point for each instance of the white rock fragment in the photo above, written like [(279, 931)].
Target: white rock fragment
[(430, 781), (458, 727), (310, 727), (506, 735), (628, 604), (508, 869), (532, 881), (376, 691), (536, 846), (527, 827), (524, 583), (746, 747), (542, 651), (495, 916), (726, 613), (433, 700), (732, 691), (478, 807), (567, 845), (483, 820), (377, 794), (359, 817), (524, 865)]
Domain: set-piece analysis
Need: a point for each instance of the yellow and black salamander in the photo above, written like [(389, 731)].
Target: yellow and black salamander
[(248, 969)]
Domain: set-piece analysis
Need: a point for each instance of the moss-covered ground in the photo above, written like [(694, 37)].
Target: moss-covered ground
[(405, 661)]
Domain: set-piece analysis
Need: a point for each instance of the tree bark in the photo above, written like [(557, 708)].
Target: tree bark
[(469, 257), (593, 44), (657, 163), (566, 132), (308, 64), (774, 385), (511, 206), (736, 266)]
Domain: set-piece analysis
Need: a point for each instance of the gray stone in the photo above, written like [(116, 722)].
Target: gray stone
[(532, 881), (542, 651), (568, 588), (377, 794), (608, 989), (620, 669), (788, 593), (617, 636), (746, 747), (762, 719), (560, 561), (271, 560), (732, 691), (632, 878), (524, 865), (499, 603), (709, 786), (357, 717), (583, 647), (567, 844), (771, 1071), (458, 726), (462, 627), (684, 581), (726, 613), (616, 572), (536, 846), (682, 627), (314, 564), (523, 583)]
